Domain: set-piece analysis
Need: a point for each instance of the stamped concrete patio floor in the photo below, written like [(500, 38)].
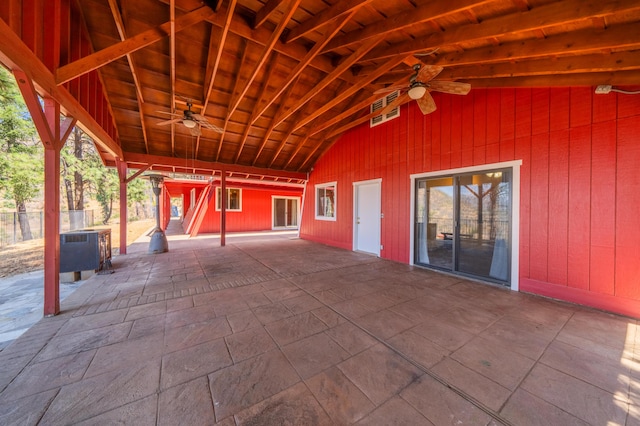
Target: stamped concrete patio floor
[(291, 332)]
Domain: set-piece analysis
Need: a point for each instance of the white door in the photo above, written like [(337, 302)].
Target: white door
[(367, 216)]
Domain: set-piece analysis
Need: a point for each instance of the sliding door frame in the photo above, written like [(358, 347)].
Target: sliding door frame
[(514, 166)]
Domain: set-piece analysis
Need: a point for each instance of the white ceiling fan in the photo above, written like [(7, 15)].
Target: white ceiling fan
[(191, 120)]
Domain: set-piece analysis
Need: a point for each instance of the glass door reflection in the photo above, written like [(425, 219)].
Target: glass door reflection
[(435, 222)]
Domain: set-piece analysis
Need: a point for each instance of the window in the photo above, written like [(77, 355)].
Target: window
[(326, 201), (381, 104), (234, 199)]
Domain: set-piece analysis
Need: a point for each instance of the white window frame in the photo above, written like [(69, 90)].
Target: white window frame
[(323, 186), (381, 104), (218, 201)]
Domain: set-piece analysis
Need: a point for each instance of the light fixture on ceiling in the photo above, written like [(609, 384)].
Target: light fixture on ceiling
[(189, 123), (417, 90)]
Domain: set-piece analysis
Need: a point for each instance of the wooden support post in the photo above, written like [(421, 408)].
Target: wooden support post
[(52, 212), (121, 166), (223, 207)]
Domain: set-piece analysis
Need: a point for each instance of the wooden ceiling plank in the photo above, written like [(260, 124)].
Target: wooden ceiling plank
[(427, 12), (340, 8), (557, 13), (331, 31), (290, 8), (130, 45), (263, 14), (340, 69), (352, 90), (172, 68)]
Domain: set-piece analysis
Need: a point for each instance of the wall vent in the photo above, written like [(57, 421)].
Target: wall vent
[(381, 104)]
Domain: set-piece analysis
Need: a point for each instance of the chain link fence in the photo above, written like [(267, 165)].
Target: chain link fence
[(13, 224)]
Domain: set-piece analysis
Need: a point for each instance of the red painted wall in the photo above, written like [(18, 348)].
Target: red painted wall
[(256, 206), (580, 186)]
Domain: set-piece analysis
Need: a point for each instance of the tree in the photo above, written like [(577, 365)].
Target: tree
[(21, 164), (74, 174)]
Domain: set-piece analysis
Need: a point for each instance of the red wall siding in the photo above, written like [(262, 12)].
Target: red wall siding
[(580, 187)]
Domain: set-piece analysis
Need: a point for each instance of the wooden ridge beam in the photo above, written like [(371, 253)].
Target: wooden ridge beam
[(130, 45)]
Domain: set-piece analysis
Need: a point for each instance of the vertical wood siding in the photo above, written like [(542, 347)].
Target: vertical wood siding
[(580, 185)]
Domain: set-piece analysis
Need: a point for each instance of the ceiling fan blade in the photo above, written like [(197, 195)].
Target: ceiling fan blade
[(452, 87), (205, 123), (427, 72), (195, 131), (169, 113), (167, 122), (390, 89), (426, 103)]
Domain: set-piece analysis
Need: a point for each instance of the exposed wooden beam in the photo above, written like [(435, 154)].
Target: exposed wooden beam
[(341, 68), (355, 108), (142, 159), (265, 11), (427, 12), (331, 31), (399, 101), (217, 39), (272, 124), (340, 8), (576, 43), (247, 128), (130, 45), (619, 78), (119, 21), (613, 62), (290, 8), (557, 13)]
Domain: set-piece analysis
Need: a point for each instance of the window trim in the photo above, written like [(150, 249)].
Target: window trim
[(218, 201), (335, 200)]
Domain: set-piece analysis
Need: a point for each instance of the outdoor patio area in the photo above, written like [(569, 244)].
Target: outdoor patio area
[(274, 330)]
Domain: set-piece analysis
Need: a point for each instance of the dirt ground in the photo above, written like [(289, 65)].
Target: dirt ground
[(29, 255)]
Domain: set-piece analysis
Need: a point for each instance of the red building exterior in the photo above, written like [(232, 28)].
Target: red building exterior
[(255, 208), (579, 191)]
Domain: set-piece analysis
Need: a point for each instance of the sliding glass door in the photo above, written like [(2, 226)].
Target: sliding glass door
[(463, 224)]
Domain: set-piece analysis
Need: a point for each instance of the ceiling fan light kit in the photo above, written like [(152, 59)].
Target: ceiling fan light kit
[(189, 123), (417, 91)]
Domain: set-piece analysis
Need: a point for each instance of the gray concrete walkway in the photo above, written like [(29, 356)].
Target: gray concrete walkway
[(286, 331)]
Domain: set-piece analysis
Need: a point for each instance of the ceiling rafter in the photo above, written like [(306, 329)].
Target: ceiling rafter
[(272, 124), (575, 43), (287, 135), (399, 101), (120, 26), (290, 7), (427, 12), (217, 38), (130, 45), (236, 83), (330, 78), (553, 14), (352, 90), (263, 88), (263, 14), (340, 8), (616, 61), (331, 31)]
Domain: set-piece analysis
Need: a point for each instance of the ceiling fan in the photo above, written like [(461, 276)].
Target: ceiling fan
[(421, 82), (192, 121)]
